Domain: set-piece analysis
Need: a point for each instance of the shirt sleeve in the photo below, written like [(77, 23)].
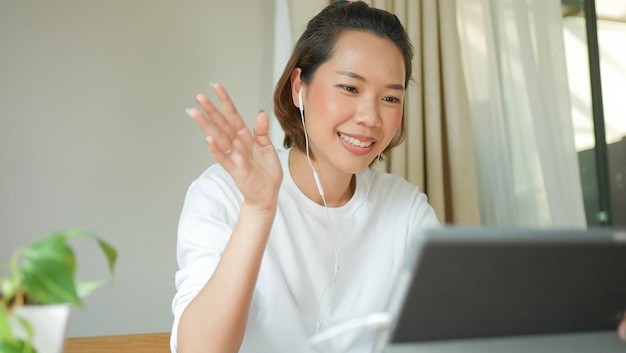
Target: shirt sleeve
[(206, 222), (423, 213), (423, 216)]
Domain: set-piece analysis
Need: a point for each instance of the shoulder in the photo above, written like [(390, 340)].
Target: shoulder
[(213, 190), (214, 178), (397, 196), (214, 174)]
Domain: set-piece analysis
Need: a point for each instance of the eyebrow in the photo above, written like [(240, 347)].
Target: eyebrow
[(356, 76)]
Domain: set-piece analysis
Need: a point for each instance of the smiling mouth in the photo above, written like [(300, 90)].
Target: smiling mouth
[(355, 142)]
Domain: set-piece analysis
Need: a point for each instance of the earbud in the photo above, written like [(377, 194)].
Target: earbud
[(300, 100)]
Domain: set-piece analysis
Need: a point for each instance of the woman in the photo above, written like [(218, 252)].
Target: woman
[(274, 247)]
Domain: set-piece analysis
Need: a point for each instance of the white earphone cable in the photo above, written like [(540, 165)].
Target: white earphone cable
[(321, 314)]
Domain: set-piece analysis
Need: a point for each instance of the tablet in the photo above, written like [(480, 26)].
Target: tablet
[(486, 283)]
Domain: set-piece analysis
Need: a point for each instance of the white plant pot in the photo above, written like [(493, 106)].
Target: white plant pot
[(48, 323)]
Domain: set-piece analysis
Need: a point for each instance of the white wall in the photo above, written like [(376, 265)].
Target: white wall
[(93, 132)]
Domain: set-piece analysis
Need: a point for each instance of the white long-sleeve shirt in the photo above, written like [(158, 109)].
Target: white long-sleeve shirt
[(296, 291)]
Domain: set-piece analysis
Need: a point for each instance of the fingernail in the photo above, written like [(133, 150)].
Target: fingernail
[(188, 111)]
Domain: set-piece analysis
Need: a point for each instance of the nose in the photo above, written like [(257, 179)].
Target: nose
[(368, 114)]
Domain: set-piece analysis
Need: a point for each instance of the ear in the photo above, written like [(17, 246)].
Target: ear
[(296, 85)]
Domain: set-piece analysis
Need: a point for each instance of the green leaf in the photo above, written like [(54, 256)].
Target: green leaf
[(84, 288), (14, 347), (8, 288), (49, 281), (28, 329), (53, 248), (110, 253), (8, 342), (6, 334), (44, 271), (108, 250)]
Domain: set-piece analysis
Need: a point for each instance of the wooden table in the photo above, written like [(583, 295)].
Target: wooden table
[(137, 343)]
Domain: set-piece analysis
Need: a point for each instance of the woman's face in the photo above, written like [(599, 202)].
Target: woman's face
[(353, 106)]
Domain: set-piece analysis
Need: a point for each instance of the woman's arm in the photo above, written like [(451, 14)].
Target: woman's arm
[(215, 320)]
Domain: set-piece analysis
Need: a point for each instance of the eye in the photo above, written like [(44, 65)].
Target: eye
[(350, 89), (391, 99)]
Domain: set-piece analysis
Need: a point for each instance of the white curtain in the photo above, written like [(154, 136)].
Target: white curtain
[(515, 71)]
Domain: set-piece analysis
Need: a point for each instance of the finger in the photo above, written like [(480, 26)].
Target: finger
[(205, 124), (222, 141), (215, 115), (230, 111), (222, 156), (261, 130)]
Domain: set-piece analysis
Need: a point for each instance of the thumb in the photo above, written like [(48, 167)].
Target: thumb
[(261, 129)]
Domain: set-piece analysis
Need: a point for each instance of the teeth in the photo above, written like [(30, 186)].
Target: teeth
[(355, 142)]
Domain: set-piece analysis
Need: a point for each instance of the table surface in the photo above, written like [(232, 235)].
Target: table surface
[(135, 343)]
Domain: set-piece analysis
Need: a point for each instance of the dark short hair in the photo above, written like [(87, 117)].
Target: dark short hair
[(316, 46)]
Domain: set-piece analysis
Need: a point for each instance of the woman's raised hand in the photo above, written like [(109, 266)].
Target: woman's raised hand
[(250, 158)]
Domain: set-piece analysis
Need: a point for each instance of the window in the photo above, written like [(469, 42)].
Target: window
[(594, 33)]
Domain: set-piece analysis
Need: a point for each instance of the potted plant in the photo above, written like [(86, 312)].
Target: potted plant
[(40, 280)]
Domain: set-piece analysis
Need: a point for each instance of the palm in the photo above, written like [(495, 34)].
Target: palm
[(257, 170)]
